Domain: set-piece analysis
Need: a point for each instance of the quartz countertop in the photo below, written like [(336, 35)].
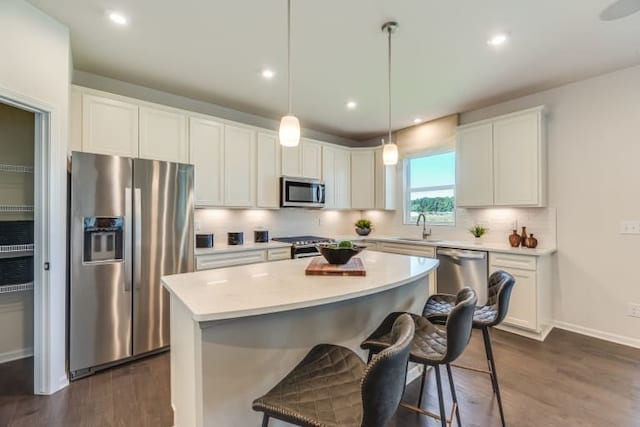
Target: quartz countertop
[(250, 246), (485, 246), (249, 290)]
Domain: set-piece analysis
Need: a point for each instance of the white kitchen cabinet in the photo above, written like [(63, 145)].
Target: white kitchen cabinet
[(207, 155), (529, 311), (363, 178), (163, 135), (109, 126), (385, 183), (502, 161), (228, 259), (474, 166), (518, 160), (268, 170), (277, 254), (303, 160), (336, 174), (239, 166)]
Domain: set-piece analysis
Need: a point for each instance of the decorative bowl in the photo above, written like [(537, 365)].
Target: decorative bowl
[(363, 231), (339, 256)]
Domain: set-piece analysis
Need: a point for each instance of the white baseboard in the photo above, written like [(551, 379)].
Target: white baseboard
[(594, 333), (538, 336), (10, 356), (414, 372)]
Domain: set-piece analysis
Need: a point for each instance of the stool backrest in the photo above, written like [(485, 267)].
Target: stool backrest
[(384, 378), (500, 286), (459, 324)]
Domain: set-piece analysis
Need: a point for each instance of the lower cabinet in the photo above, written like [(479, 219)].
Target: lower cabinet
[(530, 305), (241, 257), (278, 254)]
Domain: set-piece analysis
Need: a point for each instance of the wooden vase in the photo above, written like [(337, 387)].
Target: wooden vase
[(523, 237), (531, 242), (514, 239)]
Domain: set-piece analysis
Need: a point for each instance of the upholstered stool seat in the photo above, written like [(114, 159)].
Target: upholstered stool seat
[(439, 306), (333, 387)]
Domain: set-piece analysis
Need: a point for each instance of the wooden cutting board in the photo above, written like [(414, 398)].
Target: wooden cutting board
[(320, 267)]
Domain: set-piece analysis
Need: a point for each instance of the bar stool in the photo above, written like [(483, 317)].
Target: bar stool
[(332, 386), (433, 346), (439, 308)]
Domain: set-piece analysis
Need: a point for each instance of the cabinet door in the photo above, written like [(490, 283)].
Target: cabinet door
[(342, 178), (291, 161), (207, 155), (239, 166), (311, 159), (474, 166), (109, 126), (329, 155), (523, 306), (385, 183), (363, 179), (516, 160), (268, 171), (163, 135)]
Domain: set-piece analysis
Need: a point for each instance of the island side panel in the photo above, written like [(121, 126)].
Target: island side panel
[(186, 366), (243, 358)]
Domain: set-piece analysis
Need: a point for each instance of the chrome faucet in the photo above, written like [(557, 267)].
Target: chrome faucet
[(425, 233)]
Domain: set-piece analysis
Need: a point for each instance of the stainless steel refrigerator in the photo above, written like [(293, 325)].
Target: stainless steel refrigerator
[(131, 222)]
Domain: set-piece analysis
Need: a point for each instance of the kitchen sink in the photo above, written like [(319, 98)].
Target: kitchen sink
[(413, 239)]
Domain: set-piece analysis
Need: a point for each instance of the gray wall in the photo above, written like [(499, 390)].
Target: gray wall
[(94, 81)]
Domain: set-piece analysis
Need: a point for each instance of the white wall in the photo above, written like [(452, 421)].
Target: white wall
[(594, 146), (35, 68)]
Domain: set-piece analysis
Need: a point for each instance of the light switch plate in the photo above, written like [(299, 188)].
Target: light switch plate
[(634, 310), (629, 227)]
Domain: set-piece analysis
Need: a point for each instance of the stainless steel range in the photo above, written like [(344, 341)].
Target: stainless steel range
[(303, 246)]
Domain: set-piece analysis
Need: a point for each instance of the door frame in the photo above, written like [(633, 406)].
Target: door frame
[(49, 320)]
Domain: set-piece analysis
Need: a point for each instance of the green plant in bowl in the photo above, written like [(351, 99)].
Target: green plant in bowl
[(363, 227), (339, 253), (478, 231)]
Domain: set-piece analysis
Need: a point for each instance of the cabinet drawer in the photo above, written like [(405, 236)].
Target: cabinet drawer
[(507, 261), (407, 249), (278, 254), (207, 262)]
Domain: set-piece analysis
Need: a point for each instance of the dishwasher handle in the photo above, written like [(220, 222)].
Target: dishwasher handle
[(462, 254)]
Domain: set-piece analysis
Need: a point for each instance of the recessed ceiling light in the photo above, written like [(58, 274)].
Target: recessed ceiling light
[(351, 105), (497, 39), (417, 120), (118, 18), (268, 73)]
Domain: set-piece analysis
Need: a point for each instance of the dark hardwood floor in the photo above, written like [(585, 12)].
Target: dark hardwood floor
[(570, 380)]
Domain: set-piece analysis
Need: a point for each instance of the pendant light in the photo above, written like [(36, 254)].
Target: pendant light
[(289, 125), (390, 150)]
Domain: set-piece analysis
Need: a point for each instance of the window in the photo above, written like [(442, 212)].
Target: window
[(430, 188)]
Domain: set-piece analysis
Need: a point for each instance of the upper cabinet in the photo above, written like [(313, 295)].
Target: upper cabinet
[(207, 155), (268, 170), (363, 178), (336, 166), (239, 166), (501, 161), (303, 160), (385, 183), (163, 135), (109, 126)]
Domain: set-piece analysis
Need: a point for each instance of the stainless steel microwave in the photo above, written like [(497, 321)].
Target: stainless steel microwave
[(301, 192)]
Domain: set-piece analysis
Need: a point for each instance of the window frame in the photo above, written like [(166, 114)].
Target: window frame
[(407, 190)]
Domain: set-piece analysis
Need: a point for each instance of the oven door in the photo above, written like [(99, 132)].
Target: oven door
[(301, 192)]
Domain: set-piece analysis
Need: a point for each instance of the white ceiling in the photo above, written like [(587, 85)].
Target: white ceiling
[(213, 50)]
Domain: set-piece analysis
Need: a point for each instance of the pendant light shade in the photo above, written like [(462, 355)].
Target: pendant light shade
[(289, 125), (289, 131), (390, 154), (390, 150)]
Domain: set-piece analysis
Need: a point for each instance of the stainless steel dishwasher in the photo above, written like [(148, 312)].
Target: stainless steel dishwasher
[(459, 268)]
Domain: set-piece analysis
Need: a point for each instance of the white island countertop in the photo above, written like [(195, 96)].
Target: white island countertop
[(272, 287)]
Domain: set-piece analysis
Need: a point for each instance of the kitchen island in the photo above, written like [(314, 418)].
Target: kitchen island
[(236, 331)]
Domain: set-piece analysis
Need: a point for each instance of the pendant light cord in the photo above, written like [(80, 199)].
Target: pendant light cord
[(389, 30), (289, 55)]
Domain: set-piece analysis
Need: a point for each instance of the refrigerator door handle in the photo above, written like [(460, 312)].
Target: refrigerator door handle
[(137, 237), (127, 240)]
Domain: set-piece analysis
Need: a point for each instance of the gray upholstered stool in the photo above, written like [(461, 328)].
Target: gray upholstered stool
[(501, 283), (332, 386), (433, 346)]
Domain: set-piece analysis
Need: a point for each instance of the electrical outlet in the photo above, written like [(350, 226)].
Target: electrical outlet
[(634, 310), (197, 225), (629, 227)]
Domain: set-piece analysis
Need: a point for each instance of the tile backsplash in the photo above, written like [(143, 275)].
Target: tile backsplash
[(329, 223)]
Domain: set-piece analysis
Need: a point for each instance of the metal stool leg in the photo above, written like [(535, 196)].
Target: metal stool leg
[(265, 420), (424, 380), (453, 395), (443, 415), (494, 375)]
